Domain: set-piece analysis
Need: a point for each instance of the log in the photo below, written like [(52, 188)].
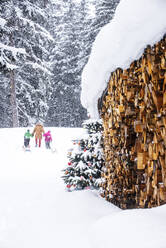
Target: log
[(133, 110)]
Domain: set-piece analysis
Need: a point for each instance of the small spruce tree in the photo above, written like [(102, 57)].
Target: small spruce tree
[(85, 159)]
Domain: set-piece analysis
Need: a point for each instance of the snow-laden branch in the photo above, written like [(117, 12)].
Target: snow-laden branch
[(5, 60), (40, 67), (2, 22), (45, 32), (34, 9), (23, 112), (42, 31), (14, 50)]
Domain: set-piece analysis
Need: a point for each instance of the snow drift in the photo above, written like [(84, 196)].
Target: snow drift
[(36, 210)]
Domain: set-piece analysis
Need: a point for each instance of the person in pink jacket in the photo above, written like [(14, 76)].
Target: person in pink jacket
[(48, 139)]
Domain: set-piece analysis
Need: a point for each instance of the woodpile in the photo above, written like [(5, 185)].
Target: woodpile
[(133, 109)]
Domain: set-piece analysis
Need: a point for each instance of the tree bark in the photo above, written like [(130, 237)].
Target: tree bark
[(45, 3), (13, 100)]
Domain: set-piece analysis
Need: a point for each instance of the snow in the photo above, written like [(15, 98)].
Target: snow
[(36, 210), (91, 11), (38, 29), (40, 67), (14, 51), (131, 228), (136, 24), (2, 22)]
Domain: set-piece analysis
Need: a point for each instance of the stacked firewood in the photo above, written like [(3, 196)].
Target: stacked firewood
[(134, 117)]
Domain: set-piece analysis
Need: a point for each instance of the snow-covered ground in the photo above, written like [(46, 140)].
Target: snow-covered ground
[(36, 211)]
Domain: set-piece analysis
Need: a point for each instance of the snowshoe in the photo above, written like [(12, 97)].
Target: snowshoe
[(26, 148)]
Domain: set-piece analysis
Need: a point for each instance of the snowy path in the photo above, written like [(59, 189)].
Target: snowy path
[(37, 212), (35, 209)]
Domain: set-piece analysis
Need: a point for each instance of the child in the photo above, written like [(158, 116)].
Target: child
[(48, 139), (27, 137)]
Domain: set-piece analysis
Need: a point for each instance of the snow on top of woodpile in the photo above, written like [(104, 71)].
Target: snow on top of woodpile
[(136, 24)]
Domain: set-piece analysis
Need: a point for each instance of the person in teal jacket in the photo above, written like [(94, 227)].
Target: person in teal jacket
[(27, 137)]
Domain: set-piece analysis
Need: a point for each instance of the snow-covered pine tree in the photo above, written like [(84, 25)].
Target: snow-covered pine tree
[(93, 126), (85, 159), (25, 79), (34, 76), (74, 25), (65, 107), (10, 57), (27, 47)]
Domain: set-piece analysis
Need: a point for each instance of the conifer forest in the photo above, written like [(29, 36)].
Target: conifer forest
[(44, 46)]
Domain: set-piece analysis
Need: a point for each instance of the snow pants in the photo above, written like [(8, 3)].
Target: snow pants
[(47, 143), (26, 142), (38, 141)]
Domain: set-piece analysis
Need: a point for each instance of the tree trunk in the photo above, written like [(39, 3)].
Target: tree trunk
[(13, 100), (45, 3)]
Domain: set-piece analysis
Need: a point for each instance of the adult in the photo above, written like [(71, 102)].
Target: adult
[(38, 131)]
